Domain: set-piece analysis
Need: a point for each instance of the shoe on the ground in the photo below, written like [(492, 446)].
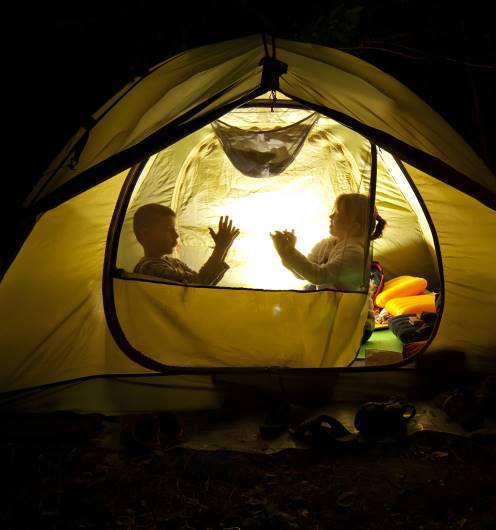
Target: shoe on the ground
[(151, 431), (384, 418), (485, 395), (461, 407), (140, 431), (170, 429), (276, 420)]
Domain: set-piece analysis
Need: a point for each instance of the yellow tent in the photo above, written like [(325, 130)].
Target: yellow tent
[(73, 311)]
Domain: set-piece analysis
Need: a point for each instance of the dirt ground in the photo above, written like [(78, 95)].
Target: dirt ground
[(426, 480)]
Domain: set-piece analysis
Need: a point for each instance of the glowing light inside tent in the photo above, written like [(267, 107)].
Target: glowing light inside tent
[(209, 186), (253, 258)]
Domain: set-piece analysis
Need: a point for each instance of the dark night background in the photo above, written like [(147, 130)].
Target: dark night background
[(68, 59)]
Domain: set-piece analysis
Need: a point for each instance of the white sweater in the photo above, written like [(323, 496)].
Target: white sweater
[(332, 264)]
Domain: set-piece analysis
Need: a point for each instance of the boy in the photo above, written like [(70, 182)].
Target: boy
[(155, 228)]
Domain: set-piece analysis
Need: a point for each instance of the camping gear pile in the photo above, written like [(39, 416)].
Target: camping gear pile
[(404, 305)]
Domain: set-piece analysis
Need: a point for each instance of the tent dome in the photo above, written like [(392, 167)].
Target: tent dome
[(84, 314)]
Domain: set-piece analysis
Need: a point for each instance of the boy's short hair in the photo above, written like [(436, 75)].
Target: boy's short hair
[(147, 215)]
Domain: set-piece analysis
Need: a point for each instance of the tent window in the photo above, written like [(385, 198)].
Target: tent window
[(204, 176), (201, 179)]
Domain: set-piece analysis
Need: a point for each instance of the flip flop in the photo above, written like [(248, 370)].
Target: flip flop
[(323, 430)]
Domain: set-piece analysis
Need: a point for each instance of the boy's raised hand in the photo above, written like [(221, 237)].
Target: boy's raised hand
[(225, 235)]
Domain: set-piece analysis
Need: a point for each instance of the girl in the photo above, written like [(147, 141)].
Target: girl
[(336, 262)]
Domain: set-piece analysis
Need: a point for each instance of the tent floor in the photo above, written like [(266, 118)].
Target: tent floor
[(383, 347)]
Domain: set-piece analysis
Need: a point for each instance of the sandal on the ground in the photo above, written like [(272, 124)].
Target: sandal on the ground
[(323, 430), (383, 419)]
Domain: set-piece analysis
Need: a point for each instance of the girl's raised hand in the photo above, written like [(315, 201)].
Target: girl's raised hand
[(284, 242)]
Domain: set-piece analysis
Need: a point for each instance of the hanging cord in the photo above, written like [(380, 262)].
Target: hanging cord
[(272, 70), (266, 48), (273, 92)]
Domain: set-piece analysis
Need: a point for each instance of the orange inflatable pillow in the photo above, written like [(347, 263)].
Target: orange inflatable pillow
[(412, 304), (400, 286)]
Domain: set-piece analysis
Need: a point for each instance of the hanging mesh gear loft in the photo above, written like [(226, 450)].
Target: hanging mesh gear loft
[(261, 154)]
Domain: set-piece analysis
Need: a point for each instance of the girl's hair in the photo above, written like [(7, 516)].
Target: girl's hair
[(356, 208), (380, 223)]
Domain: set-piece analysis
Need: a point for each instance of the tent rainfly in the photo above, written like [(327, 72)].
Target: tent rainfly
[(74, 313)]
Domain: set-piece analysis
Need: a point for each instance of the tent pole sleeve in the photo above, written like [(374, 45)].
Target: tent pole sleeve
[(372, 191)]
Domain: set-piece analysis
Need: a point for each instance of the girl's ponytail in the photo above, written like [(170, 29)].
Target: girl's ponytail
[(380, 223)]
